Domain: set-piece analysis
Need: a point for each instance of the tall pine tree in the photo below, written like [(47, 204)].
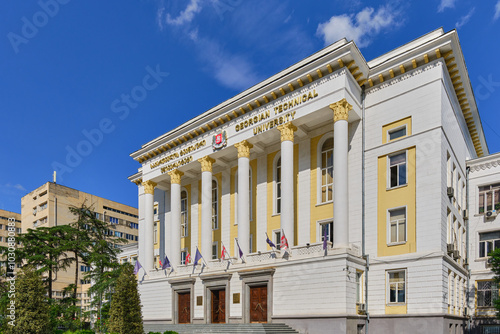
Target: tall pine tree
[(32, 308), (125, 314)]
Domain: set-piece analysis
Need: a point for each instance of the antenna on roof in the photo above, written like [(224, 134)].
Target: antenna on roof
[(54, 176)]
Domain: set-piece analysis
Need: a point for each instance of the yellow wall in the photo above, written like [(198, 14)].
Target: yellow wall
[(393, 198), (394, 125), (318, 211)]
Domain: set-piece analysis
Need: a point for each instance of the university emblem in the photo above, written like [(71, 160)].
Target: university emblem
[(219, 141)]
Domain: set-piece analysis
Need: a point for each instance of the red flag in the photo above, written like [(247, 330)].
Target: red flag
[(224, 252), (284, 241), (188, 258)]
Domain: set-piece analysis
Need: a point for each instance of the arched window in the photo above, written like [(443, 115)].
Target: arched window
[(327, 171), (184, 213), (277, 192), (215, 205)]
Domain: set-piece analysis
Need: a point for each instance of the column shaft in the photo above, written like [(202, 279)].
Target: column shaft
[(341, 174), (206, 207), (148, 225), (175, 217), (287, 193), (243, 195)]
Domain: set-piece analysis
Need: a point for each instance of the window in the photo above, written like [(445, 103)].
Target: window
[(397, 286), (84, 269), (1, 227), (488, 242), (489, 198), (155, 209), (155, 233), (118, 234), (327, 171), (329, 231), (134, 225), (184, 214), (43, 206), (215, 250), (397, 133), (397, 222), (250, 250), (183, 257), (487, 292), (18, 230), (397, 170), (277, 238), (215, 205), (277, 192), (113, 220)]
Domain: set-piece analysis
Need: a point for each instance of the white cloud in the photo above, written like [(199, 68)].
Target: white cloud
[(464, 19), (187, 15), (231, 70), (362, 27), (497, 11), (446, 4)]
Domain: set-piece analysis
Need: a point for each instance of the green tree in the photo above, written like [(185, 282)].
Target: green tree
[(32, 307), (44, 248), (495, 267), (125, 313)]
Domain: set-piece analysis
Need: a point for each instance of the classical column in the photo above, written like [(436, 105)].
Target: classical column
[(243, 192), (340, 174), (206, 206), (287, 198), (175, 217), (149, 191)]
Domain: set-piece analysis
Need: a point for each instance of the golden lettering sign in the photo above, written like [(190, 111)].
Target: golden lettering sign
[(176, 164), (277, 110), (176, 155)]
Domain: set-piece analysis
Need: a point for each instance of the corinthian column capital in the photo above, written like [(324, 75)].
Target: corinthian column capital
[(243, 149), (149, 187), (287, 131), (206, 164), (175, 176), (340, 110)]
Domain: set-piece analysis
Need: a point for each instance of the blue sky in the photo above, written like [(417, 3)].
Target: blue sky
[(85, 83)]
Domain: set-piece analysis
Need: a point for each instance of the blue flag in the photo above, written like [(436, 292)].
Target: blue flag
[(197, 257), (269, 242), (166, 263), (239, 249), (137, 267)]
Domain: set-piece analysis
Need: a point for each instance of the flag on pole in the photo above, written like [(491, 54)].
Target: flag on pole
[(239, 248), (197, 256), (137, 267), (224, 253), (284, 241), (325, 245), (188, 258), (166, 264), (269, 242)]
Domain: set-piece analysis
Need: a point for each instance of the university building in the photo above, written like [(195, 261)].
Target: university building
[(49, 205), (370, 155)]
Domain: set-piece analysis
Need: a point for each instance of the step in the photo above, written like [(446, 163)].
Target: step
[(222, 328)]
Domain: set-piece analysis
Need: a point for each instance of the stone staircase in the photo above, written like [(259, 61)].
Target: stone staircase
[(222, 328)]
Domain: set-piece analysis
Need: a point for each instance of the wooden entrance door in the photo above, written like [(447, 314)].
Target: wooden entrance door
[(184, 308), (258, 303), (218, 306)]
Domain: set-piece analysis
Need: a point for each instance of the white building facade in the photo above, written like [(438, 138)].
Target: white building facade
[(358, 152)]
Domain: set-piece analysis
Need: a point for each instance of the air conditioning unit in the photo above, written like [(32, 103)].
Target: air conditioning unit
[(362, 308), (450, 248), (466, 214), (490, 214), (451, 192), (456, 254)]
